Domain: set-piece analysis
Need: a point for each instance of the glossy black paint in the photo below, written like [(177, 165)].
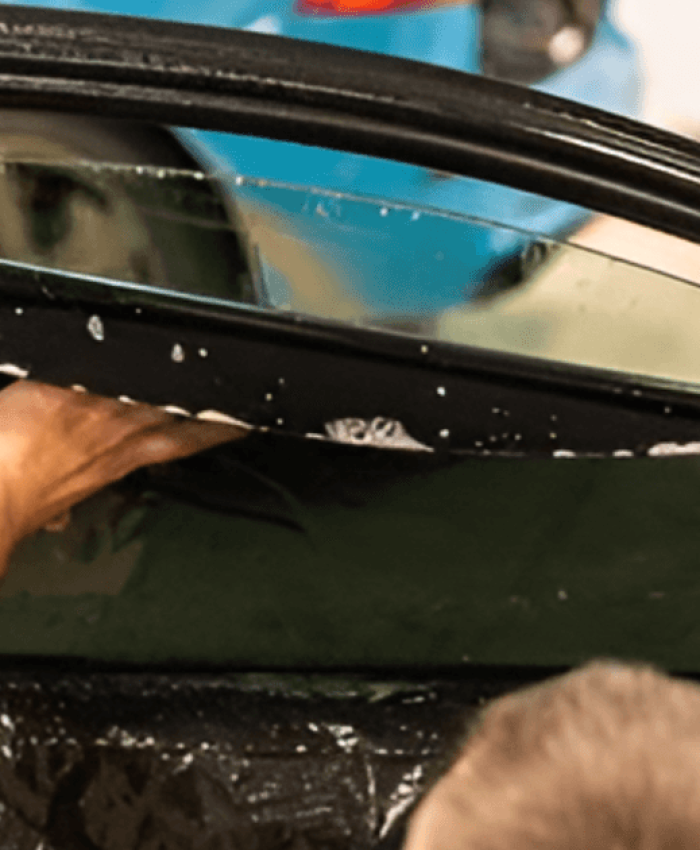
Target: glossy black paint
[(294, 375)]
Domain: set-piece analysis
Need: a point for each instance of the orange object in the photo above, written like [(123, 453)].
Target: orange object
[(336, 8)]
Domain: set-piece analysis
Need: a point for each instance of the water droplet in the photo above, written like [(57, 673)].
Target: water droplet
[(174, 410), (668, 409), (424, 349), (518, 438), (445, 433), (441, 391), (203, 352), (95, 328), (495, 410), (281, 381), (178, 353), (19, 311), (415, 215), (239, 180), (478, 444), (280, 421), (552, 435), (384, 211), (268, 396)]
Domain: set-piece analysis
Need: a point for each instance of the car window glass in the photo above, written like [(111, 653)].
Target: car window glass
[(324, 254)]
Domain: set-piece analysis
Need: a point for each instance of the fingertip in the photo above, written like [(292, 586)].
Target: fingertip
[(183, 439)]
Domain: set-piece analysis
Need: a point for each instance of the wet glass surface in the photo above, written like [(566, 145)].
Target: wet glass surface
[(366, 262)]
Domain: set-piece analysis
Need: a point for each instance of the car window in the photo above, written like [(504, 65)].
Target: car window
[(296, 552), (420, 271), (359, 260)]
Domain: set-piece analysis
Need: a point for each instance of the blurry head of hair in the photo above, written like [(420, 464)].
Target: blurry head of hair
[(605, 757)]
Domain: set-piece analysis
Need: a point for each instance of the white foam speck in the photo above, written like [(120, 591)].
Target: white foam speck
[(15, 371), (96, 328), (216, 416), (674, 449), (175, 410)]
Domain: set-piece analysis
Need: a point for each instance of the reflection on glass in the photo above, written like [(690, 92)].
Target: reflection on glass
[(158, 227), (350, 259)]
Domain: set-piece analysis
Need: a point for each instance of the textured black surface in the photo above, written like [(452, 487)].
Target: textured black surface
[(131, 760)]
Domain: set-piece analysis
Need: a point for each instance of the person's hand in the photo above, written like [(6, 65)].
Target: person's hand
[(59, 446)]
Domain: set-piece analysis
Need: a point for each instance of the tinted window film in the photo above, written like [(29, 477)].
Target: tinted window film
[(388, 266)]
